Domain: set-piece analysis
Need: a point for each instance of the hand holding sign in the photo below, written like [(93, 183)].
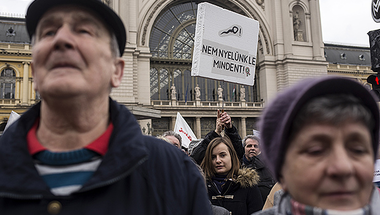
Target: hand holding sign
[(219, 125)]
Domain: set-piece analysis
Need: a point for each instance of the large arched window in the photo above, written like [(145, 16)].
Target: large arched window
[(7, 84), (171, 44), (173, 32)]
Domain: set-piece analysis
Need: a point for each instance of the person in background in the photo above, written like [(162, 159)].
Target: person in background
[(320, 138), (173, 138), (252, 158), (223, 123), (274, 196), (229, 186), (78, 151), (193, 144), (376, 177)]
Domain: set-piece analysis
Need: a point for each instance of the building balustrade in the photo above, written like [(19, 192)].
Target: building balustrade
[(166, 103), (9, 102)]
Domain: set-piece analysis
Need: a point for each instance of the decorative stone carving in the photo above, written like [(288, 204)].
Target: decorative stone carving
[(173, 92), (148, 20), (11, 32), (220, 93), (197, 93), (261, 3), (242, 94), (298, 34)]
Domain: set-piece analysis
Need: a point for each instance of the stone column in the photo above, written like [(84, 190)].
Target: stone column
[(172, 124), (316, 35), (286, 22), (198, 127), (243, 127), (25, 81)]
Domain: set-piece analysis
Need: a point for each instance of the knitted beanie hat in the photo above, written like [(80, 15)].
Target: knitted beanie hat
[(277, 117)]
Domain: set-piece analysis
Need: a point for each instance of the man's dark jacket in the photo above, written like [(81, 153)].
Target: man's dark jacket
[(138, 175), (266, 179)]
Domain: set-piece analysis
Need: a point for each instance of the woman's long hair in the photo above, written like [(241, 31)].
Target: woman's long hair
[(207, 165)]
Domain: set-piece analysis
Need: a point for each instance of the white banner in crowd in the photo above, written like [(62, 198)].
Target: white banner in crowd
[(182, 128), (376, 176), (12, 118), (225, 45), (256, 133)]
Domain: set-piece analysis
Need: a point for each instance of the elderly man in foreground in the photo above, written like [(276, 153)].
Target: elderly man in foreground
[(78, 151), (320, 138)]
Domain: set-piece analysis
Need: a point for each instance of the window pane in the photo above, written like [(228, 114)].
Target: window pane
[(8, 91), (211, 95), (187, 85), (164, 81), (7, 83), (154, 84), (202, 86), (177, 76), (169, 22)]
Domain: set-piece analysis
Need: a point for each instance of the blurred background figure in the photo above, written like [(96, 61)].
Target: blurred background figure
[(193, 144), (321, 138), (173, 138), (253, 159)]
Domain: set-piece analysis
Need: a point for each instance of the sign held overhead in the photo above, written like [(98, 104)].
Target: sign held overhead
[(375, 10), (225, 46)]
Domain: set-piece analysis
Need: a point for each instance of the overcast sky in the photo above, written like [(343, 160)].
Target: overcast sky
[(343, 21)]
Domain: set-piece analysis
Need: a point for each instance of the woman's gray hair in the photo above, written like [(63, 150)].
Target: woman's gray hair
[(334, 110)]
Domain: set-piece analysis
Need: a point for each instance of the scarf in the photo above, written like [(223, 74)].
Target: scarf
[(301, 209), (219, 181)]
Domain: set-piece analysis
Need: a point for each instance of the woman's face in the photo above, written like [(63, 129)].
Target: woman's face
[(221, 159), (330, 167)]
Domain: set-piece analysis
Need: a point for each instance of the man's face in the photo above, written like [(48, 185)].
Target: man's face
[(251, 148), (174, 141), (330, 167), (72, 55)]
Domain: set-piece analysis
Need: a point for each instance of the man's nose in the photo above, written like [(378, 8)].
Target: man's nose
[(63, 39)]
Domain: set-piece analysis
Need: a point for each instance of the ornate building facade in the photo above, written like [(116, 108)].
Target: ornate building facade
[(157, 82)]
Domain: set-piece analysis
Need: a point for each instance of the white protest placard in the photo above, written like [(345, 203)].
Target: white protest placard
[(376, 177), (182, 128), (256, 133), (225, 45)]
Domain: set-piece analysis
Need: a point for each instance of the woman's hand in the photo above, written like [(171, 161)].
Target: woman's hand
[(226, 120), (219, 124)]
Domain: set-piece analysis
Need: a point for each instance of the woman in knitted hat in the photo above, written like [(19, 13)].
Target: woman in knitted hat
[(320, 138), (229, 186)]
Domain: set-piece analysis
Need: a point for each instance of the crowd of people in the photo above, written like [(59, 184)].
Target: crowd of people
[(80, 152), (236, 176), (319, 140)]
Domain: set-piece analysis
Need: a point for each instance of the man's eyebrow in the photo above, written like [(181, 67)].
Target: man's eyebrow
[(81, 18), (48, 21)]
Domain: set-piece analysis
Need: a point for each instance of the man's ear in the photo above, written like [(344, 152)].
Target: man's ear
[(118, 73)]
